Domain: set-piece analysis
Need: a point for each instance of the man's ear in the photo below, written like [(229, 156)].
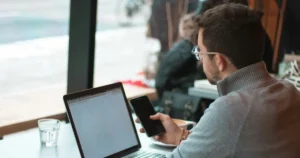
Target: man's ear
[(220, 62)]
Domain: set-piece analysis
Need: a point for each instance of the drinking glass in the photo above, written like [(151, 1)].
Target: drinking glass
[(49, 130)]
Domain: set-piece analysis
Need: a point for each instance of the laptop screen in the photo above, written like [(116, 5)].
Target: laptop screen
[(103, 123)]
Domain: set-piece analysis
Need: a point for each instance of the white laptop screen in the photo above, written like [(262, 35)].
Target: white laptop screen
[(103, 123)]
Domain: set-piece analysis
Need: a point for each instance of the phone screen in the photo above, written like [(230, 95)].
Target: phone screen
[(144, 109)]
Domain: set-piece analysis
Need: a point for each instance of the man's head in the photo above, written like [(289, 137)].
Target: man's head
[(234, 32), (205, 5)]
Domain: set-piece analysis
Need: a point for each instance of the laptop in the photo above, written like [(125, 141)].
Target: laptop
[(102, 123)]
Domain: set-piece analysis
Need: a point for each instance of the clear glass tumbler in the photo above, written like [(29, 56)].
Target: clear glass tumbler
[(49, 130)]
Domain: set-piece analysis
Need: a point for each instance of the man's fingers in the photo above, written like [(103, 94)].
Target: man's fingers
[(157, 138), (137, 120), (142, 130)]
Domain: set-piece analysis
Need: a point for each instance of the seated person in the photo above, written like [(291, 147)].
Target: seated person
[(178, 67), (256, 115)]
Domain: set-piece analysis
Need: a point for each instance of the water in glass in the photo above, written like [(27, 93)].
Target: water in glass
[(49, 131)]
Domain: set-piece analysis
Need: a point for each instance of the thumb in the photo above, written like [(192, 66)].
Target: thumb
[(158, 116)]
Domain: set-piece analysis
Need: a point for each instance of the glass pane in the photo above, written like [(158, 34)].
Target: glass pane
[(34, 48), (122, 48)]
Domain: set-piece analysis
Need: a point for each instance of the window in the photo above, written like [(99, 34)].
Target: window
[(34, 51), (122, 48)]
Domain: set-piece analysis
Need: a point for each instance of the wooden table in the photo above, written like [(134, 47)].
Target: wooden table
[(16, 117), (27, 144)]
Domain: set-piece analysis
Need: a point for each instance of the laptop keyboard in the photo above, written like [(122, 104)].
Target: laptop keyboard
[(144, 154)]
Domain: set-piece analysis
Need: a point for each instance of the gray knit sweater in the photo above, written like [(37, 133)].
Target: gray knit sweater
[(256, 116)]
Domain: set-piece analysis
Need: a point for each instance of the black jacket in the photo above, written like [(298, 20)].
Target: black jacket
[(177, 69)]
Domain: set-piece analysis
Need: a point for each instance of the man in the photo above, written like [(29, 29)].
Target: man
[(256, 115)]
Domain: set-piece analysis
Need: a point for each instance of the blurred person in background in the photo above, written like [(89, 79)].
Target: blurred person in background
[(163, 25), (164, 20)]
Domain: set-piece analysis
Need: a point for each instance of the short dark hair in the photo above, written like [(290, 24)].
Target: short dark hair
[(212, 3), (234, 30)]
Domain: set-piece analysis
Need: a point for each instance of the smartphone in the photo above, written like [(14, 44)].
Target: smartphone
[(143, 110)]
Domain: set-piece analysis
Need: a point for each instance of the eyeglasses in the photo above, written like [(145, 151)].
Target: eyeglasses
[(197, 52)]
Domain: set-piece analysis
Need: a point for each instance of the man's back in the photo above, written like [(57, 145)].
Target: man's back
[(256, 116), (271, 126)]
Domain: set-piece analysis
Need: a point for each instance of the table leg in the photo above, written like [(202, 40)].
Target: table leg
[(66, 118)]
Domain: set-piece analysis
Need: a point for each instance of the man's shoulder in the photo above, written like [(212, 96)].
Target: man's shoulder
[(232, 99), (288, 85), (231, 105), (280, 87), (240, 101)]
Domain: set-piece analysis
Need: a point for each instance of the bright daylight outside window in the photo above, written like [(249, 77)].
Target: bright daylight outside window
[(123, 50), (34, 51)]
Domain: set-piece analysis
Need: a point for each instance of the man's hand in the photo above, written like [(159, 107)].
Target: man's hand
[(173, 132)]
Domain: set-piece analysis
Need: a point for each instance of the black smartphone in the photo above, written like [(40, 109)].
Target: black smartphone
[(143, 110)]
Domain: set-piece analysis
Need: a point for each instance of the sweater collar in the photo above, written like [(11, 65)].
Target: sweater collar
[(245, 78)]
